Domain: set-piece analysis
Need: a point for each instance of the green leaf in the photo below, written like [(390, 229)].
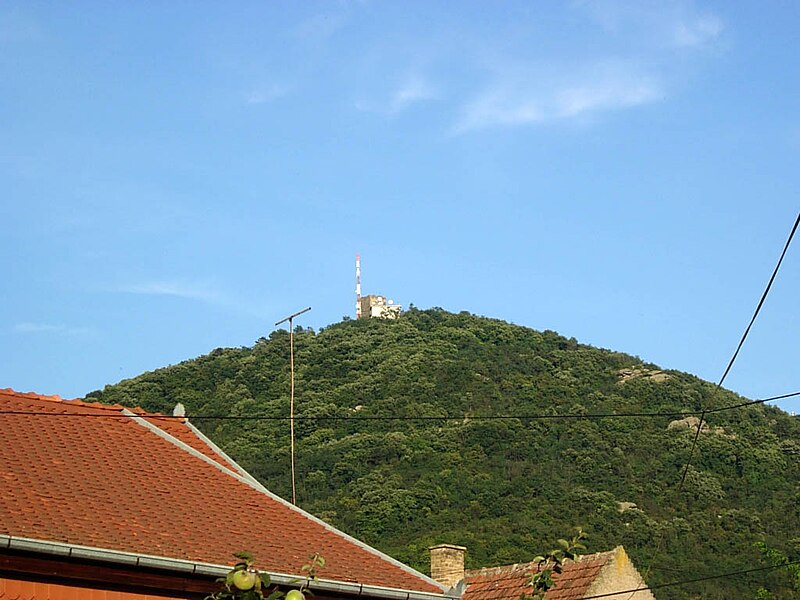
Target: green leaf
[(244, 555)]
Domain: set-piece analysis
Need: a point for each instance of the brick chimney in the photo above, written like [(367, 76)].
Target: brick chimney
[(447, 563)]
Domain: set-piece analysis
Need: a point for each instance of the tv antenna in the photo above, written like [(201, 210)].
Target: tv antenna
[(290, 318)]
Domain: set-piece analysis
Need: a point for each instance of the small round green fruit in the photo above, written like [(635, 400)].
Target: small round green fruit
[(295, 595), (244, 580)]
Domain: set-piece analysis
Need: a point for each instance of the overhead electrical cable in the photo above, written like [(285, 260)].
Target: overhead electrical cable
[(761, 302), (682, 582), (705, 411), (110, 414), (739, 347), (577, 416)]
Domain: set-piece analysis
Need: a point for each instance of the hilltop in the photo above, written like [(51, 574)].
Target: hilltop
[(505, 488)]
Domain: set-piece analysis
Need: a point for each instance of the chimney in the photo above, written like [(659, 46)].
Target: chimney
[(447, 563)]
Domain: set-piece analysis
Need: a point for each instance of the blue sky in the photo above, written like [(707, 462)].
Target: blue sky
[(178, 176)]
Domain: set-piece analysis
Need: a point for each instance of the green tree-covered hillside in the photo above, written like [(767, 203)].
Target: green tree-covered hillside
[(506, 488)]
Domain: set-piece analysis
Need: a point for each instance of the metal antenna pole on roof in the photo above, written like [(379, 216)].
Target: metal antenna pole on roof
[(290, 318)]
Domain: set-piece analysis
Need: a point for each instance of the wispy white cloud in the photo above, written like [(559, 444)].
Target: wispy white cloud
[(535, 97), (656, 39), (178, 289), (701, 30), (47, 328), (414, 89), (675, 24), (202, 292), (267, 93)]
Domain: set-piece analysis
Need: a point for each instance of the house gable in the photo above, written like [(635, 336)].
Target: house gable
[(593, 574)]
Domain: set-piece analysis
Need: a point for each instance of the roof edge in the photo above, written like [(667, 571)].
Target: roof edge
[(609, 555), (33, 395), (248, 479), (177, 565), (219, 451), (352, 540), (142, 420), (619, 564), (349, 538), (58, 400)]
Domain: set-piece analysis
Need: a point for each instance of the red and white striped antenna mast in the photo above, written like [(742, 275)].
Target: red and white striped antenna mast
[(358, 286)]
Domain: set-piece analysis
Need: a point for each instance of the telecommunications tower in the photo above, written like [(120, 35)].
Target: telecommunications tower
[(373, 306), (358, 286)]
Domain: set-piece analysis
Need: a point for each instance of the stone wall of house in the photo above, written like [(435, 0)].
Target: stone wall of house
[(617, 576)]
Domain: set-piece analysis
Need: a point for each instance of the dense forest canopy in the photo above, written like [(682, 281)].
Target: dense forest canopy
[(505, 488)]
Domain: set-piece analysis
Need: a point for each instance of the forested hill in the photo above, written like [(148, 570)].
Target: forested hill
[(505, 488)]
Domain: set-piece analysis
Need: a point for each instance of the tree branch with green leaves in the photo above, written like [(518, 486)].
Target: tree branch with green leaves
[(245, 582), (553, 563)]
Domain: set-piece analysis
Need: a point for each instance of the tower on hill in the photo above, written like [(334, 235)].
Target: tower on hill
[(379, 307), (373, 306)]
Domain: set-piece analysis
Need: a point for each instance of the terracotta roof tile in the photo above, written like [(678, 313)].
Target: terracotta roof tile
[(13, 589), (113, 483), (178, 428), (511, 581)]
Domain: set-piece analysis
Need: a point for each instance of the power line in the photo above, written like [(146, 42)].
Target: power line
[(722, 379), (751, 402), (696, 580), (524, 417), (760, 302), (739, 346), (702, 413)]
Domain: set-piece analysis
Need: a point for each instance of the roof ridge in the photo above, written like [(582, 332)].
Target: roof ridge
[(241, 475), (180, 444), (181, 437), (13, 392), (608, 553), (55, 398), (218, 451), (355, 541), (496, 570), (140, 412)]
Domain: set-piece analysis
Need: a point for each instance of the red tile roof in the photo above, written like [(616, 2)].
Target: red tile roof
[(114, 483), (14, 589), (511, 581)]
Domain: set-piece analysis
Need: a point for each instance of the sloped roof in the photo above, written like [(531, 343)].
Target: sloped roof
[(509, 582), (154, 487)]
